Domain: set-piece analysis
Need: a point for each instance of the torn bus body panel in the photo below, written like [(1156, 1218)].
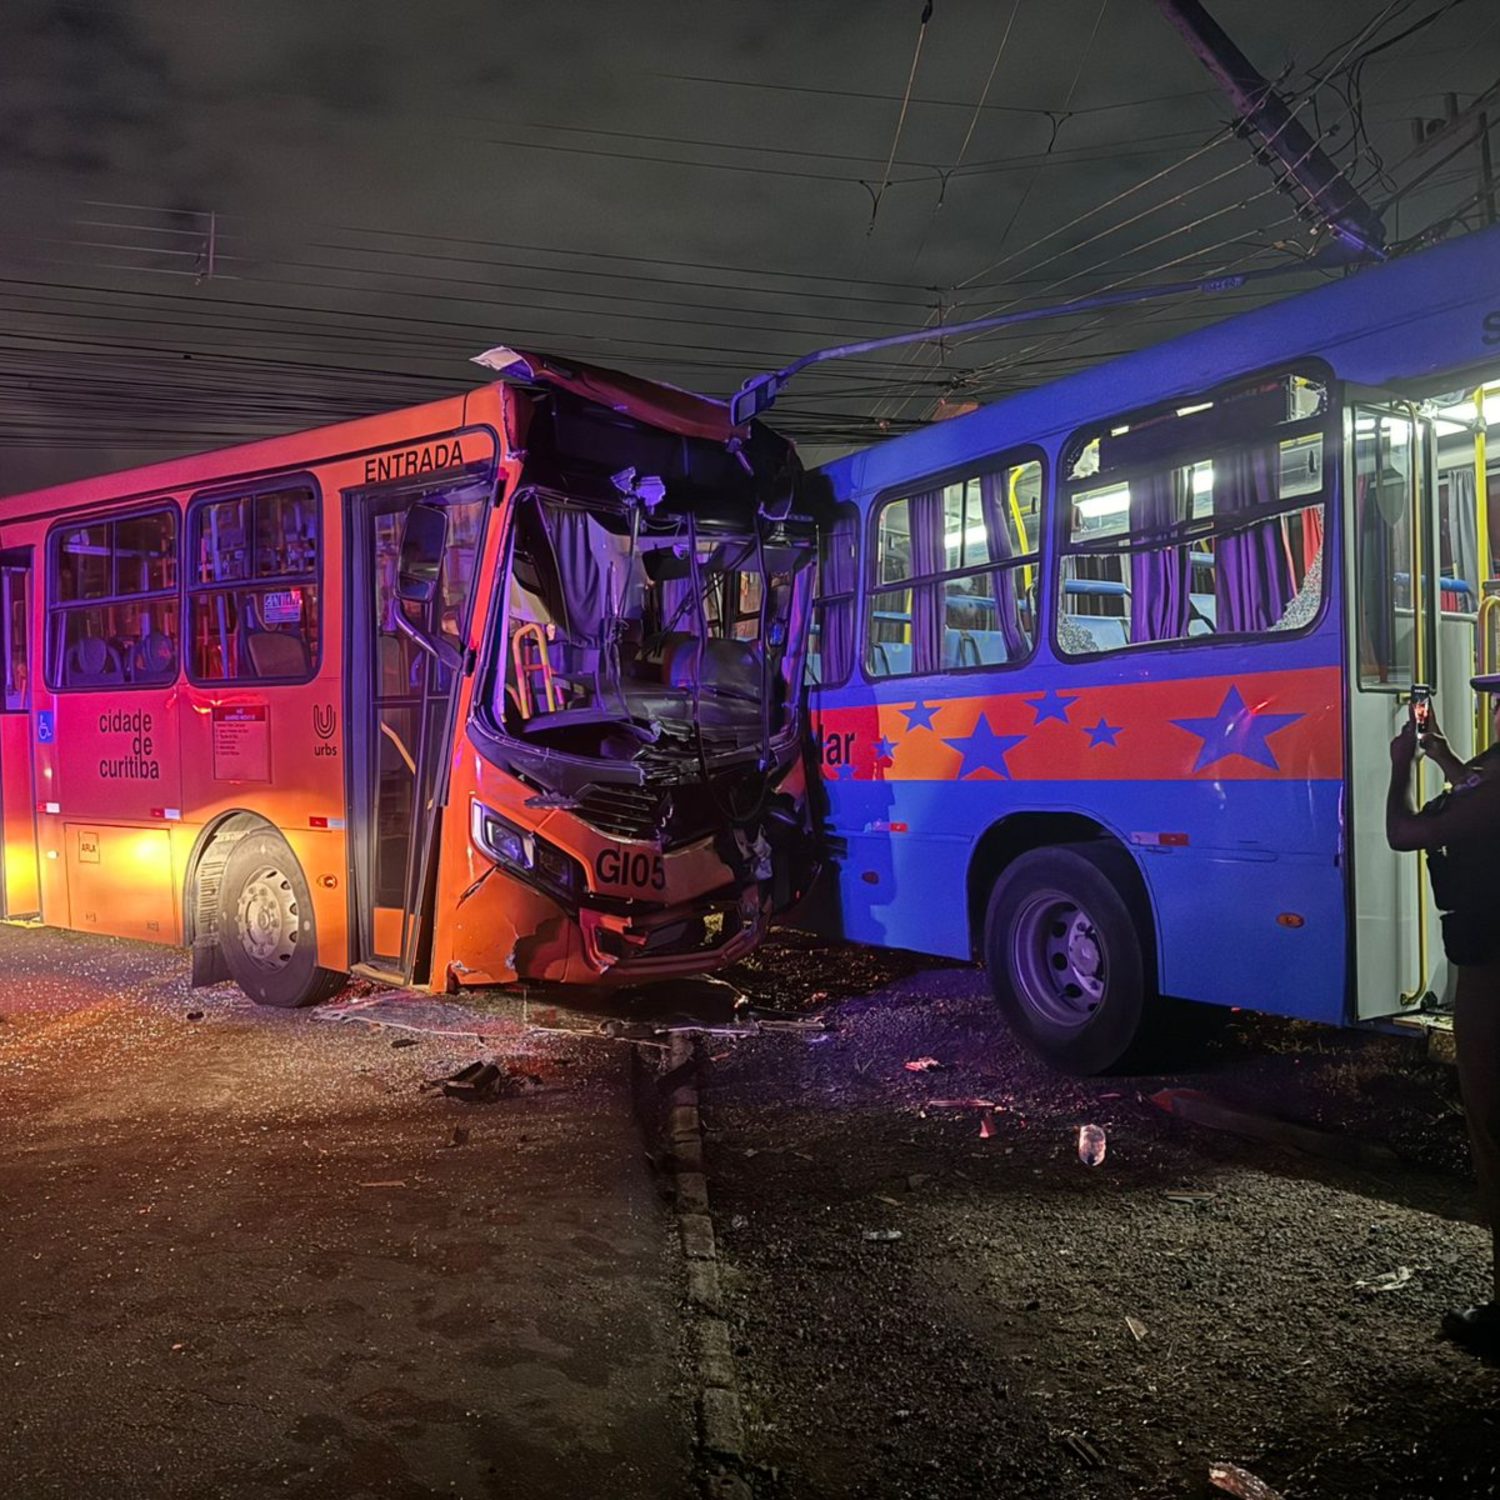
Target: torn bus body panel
[(650, 401), (638, 796)]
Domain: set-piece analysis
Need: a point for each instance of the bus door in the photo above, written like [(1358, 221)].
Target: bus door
[(403, 668), (1410, 620), (20, 888)]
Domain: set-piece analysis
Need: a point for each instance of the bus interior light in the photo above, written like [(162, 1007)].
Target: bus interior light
[(1112, 502)]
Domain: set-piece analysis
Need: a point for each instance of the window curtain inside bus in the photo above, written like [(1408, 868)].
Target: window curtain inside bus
[(1377, 635), (1160, 576), (1252, 577), (1463, 532), (928, 558), (838, 577), (995, 494)]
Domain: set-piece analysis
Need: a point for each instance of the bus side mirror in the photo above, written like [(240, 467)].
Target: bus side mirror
[(424, 538)]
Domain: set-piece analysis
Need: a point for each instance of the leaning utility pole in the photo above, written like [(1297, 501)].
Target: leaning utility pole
[(1264, 113)]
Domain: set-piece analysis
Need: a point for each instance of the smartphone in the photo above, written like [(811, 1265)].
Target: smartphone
[(1421, 706)]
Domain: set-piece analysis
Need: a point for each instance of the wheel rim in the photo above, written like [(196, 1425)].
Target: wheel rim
[(268, 918), (1057, 959)]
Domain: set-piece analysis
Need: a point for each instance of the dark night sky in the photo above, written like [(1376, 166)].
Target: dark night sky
[(681, 189)]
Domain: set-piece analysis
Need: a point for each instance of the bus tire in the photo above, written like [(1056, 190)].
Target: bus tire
[(266, 926), (1064, 946)]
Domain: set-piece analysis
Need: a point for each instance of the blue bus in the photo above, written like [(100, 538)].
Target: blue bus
[(1105, 673)]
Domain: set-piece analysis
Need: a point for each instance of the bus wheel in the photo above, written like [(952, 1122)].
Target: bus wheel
[(266, 926), (1065, 957)]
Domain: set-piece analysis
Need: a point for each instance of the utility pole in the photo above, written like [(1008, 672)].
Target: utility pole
[(1263, 112)]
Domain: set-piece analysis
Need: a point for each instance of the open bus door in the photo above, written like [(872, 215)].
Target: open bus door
[(1411, 619), (20, 886), (410, 559)]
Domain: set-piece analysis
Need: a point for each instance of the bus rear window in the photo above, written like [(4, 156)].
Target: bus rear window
[(114, 616), (253, 596)]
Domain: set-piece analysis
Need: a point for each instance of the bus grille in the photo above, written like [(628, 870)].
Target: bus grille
[(674, 817), (628, 812)]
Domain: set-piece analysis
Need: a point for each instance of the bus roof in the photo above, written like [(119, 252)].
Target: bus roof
[(291, 450), (1399, 324)]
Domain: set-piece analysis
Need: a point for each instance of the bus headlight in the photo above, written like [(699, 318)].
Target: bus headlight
[(524, 853)]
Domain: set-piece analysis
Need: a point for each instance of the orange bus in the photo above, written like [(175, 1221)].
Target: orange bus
[(495, 689)]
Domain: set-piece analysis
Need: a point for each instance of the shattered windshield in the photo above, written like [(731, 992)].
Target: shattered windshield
[(629, 626)]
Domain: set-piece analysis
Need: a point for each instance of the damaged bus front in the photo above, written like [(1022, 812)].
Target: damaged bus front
[(635, 801)]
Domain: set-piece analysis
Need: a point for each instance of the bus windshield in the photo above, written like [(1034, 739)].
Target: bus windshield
[(630, 626)]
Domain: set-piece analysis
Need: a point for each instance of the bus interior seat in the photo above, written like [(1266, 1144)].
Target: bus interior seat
[(974, 648), (275, 653), (93, 663), (153, 658), (890, 659), (1203, 618)]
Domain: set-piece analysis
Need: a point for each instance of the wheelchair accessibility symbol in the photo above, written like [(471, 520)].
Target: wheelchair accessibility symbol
[(46, 727)]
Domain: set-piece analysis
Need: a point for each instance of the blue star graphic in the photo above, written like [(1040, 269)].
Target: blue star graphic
[(919, 715), (846, 773), (884, 749), (984, 750), (1052, 705), (1236, 730), (1102, 733)]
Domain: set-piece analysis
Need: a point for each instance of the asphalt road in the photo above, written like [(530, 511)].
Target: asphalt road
[(248, 1254)]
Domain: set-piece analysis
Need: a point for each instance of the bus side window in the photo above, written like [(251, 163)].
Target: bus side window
[(1201, 521), (113, 609), (965, 555), (253, 592), (14, 593)]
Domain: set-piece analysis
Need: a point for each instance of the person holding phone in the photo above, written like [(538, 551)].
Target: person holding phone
[(1460, 832)]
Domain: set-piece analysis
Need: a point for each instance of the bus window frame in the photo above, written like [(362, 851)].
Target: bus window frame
[(54, 604), (197, 502), (1330, 499), (14, 562), (869, 586), (844, 510)]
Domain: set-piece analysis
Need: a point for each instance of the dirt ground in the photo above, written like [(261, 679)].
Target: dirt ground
[(926, 1309), (247, 1254)]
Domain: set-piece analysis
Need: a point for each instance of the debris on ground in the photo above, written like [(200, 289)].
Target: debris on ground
[(1234, 1480), (1091, 1145), (923, 1065), (1387, 1281), (405, 1041), (1083, 1450), (460, 1136), (1136, 1327), (986, 1124), (1189, 1197), (881, 1236), (195, 1015), (394, 1182)]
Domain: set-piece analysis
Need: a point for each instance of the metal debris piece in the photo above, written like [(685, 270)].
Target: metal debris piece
[(1387, 1281), (1136, 1327), (1234, 1480), (1082, 1449), (923, 1065), (1192, 1197), (394, 1182), (962, 1104), (881, 1236), (405, 1041)]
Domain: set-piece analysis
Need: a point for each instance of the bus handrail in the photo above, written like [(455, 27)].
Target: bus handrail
[(532, 631)]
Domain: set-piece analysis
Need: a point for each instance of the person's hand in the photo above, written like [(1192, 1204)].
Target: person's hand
[(1404, 746), (1436, 746)]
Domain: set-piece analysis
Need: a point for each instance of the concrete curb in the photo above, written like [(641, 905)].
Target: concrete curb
[(721, 1422)]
